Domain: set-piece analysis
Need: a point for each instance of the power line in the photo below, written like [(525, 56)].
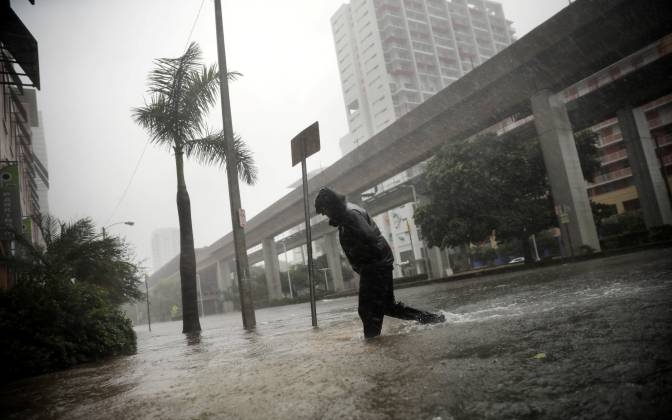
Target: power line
[(130, 181), (194, 25)]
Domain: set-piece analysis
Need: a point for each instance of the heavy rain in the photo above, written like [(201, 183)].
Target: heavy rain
[(374, 209)]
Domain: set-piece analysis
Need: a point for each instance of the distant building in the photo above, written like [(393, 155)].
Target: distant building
[(394, 54), (165, 246)]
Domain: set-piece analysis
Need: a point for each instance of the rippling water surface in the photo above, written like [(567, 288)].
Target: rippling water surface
[(587, 340)]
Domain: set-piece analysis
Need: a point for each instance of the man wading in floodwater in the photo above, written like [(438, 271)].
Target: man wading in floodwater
[(371, 257)]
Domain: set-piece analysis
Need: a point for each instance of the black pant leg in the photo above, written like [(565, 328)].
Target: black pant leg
[(399, 309), (372, 302)]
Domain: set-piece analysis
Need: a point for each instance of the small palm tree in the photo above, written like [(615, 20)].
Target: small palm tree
[(182, 91), (76, 252)]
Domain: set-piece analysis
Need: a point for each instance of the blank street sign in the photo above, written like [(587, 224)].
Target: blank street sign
[(311, 143)]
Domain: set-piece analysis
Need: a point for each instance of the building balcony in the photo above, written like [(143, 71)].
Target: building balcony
[(610, 177), (667, 160), (610, 139), (663, 140), (613, 157)]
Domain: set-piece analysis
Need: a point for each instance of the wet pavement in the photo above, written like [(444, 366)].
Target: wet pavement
[(590, 340)]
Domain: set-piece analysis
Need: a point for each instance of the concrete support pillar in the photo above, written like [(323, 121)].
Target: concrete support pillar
[(331, 249), (223, 275), (564, 169), (437, 262), (645, 167), (272, 268)]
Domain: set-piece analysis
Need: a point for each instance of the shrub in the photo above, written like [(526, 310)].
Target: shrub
[(53, 325), (660, 233)]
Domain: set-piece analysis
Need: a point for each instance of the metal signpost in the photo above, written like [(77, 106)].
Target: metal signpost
[(305, 144), (149, 318)]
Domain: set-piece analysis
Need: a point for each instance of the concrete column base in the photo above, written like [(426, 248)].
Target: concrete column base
[(272, 268)]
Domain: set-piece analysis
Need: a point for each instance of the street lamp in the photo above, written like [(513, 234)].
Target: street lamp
[(128, 223)]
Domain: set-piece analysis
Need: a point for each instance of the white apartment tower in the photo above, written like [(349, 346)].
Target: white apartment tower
[(165, 246), (394, 54)]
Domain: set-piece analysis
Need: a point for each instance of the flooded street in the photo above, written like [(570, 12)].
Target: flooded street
[(585, 340)]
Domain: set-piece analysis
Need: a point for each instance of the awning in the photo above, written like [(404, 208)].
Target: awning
[(20, 43)]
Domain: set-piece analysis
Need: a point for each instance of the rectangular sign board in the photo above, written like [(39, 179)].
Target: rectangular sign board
[(310, 138), (10, 205)]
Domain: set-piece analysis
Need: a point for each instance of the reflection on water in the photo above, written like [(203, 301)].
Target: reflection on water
[(478, 364)]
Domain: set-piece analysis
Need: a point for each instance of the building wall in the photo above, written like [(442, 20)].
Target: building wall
[(41, 165)]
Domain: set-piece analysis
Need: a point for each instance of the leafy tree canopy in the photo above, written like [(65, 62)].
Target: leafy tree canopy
[(491, 183)]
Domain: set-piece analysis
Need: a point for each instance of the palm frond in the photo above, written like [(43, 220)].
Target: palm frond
[(211, 150), (165, 78), (233, 75), (200, 94), (155, 118)]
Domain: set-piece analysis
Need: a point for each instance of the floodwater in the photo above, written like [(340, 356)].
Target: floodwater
[(578, 341)]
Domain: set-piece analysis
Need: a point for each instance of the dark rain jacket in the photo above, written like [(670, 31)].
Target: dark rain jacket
[(361, 240)]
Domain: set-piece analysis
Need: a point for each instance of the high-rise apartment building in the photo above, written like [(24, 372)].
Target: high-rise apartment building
[(165, 246), (394, 54)]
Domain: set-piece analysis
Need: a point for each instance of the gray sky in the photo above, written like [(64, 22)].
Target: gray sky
[(94, 59)]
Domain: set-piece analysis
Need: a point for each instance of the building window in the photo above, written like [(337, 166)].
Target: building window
[(631, 205), (353, 107)]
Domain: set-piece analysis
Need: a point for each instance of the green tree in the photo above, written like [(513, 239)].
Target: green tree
[(491, 183), (182, 91)]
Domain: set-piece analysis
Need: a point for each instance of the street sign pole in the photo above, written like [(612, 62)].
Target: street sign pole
[(149, 317), (303, 145), (309, 241)]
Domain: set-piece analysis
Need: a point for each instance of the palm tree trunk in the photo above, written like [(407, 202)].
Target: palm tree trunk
[(190, 322)]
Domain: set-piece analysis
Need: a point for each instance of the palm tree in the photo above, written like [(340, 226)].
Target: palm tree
[(77, 252), (181, 91)]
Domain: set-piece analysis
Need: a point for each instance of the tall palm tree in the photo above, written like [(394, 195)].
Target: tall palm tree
[(181, 91)]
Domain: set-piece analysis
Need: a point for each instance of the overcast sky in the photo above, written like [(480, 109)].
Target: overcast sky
[(94, 59)]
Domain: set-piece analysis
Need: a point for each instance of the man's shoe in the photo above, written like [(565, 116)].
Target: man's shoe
[(428, 318)]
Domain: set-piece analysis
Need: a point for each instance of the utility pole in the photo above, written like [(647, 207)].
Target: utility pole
[(149, 318), (237, 213)]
